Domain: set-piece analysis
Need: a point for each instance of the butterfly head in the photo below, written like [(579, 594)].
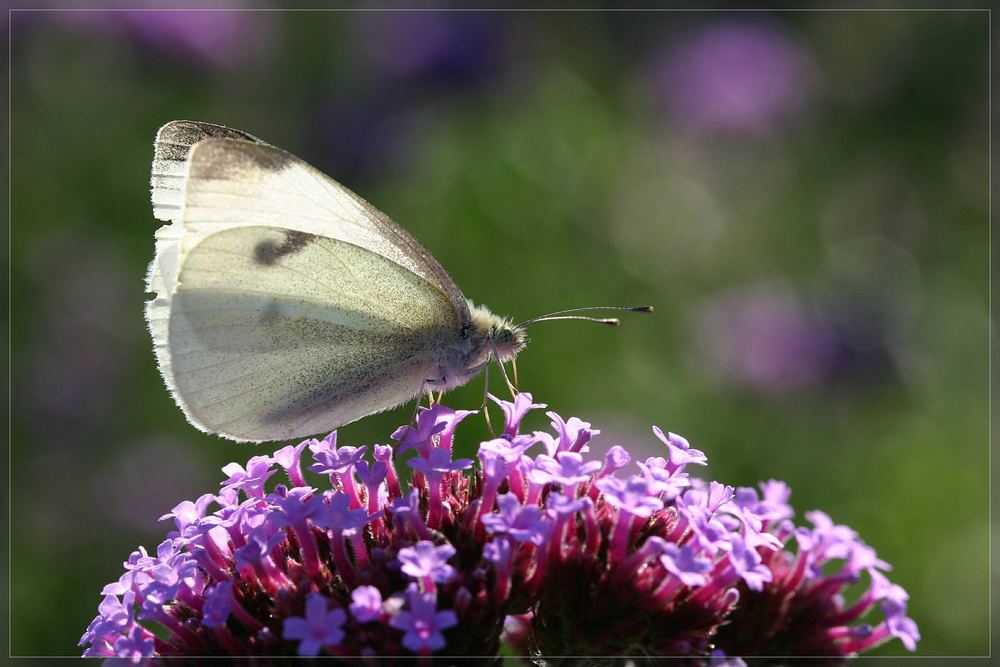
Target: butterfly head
[(507, 339), (498, 337)]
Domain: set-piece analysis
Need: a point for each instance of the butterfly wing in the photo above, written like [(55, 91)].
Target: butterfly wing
[(231, 178), (286, 305), (276, 334)]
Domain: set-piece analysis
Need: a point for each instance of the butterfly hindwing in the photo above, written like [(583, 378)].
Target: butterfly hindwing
[(273, 333)]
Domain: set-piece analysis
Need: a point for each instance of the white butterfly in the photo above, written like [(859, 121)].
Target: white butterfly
[(285, 304)]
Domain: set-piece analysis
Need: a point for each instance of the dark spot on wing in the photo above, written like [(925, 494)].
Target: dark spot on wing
[(268, 252)]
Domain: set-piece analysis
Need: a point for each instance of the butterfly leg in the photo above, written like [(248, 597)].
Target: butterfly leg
[(416, 407), (420, 397), (442, 382), (428, 385), (486, 407), (503, 371)]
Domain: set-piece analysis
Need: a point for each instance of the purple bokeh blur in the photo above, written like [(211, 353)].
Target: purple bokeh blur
[(738, 76), (764, 338), (403, 60), (221, 39), (132, 501), (445, 48), (358, 138), (77, 363)]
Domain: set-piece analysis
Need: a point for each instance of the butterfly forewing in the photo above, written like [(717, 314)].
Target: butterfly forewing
[(232, 182)]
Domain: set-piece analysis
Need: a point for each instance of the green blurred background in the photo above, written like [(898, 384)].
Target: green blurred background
[(802, 196)]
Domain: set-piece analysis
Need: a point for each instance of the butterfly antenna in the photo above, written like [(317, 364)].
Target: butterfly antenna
[(565, 314), (611, 321)]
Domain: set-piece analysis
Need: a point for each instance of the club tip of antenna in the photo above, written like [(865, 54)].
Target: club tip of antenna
[(642, 309), (611, 321)]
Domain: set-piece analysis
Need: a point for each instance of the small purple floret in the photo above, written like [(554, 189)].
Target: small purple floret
[(514, 412), (251, 479), (318, 628), (366, 604), (439, 461), (519, 522), (426, 560), (636, 495), (422, 623)]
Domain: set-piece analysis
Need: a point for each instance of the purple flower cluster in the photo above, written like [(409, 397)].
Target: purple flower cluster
[(540, 546)]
